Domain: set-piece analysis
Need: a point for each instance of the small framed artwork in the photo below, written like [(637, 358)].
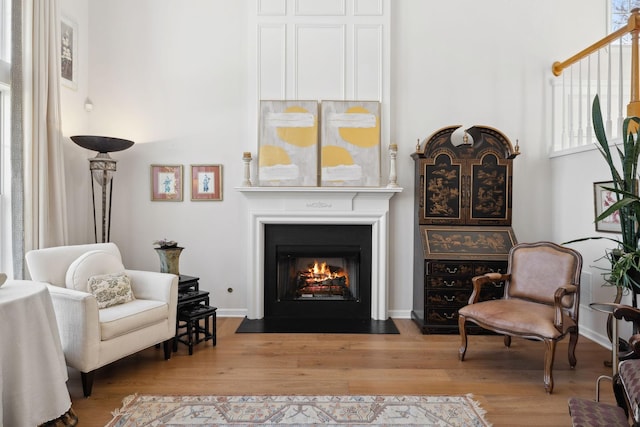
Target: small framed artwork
[(206, 182), (166, 183), (69, 53), (603, 199)]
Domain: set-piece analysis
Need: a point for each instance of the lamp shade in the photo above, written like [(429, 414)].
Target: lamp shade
[(102, 144)]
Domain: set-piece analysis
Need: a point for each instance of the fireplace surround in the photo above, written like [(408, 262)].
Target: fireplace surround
[(319, 206)]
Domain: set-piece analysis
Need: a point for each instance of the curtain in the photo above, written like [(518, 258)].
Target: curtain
[(38, 193)]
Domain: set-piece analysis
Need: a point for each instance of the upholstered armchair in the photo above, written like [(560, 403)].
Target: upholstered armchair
[(100, 323), (541, 300)]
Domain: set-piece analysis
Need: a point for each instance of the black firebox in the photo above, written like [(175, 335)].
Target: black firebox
[(317, 271)]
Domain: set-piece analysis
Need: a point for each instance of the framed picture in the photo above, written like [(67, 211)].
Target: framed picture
[(166, 183), (350, 144), (69, 53), (288, 144), (604, 198), (206, 182)]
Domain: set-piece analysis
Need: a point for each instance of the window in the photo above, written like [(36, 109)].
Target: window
[(6, 263)]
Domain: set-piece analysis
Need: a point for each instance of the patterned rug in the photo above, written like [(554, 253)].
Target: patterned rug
[(146, 410)]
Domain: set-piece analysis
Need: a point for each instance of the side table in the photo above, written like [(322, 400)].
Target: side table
[(608, 308), (193, 306), (191, 318)]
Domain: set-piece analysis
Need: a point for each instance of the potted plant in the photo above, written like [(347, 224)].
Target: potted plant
[(625, 258)]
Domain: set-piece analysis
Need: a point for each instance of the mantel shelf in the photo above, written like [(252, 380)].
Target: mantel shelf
[(319, 189)]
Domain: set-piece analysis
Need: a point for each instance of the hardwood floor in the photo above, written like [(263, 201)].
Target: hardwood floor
[(506, 381)]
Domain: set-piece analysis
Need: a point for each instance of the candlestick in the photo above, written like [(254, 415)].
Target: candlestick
[(393, 176), (246, 158)]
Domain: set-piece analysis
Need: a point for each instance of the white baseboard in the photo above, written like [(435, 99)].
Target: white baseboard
[(598, 338)]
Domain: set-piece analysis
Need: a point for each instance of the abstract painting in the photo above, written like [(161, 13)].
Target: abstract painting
[(288, 143), (350, 147)]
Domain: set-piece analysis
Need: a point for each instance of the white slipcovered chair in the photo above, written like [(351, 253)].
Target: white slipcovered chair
[(93, 337)]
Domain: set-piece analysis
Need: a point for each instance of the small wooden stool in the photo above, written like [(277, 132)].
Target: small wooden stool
[(191, 317)]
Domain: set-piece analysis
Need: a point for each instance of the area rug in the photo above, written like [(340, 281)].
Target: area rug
[(174, 411)]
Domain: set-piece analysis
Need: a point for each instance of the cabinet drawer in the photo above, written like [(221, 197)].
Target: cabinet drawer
[(449, 268), (442, 316), (448, 297), (492, 290), (448, 282), (489, 267), (460, 297)]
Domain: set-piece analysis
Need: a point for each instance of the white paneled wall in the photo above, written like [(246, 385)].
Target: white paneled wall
[(321, 50)]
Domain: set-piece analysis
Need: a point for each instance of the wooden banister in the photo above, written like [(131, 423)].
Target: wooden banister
[(558, 67), (633, 28)]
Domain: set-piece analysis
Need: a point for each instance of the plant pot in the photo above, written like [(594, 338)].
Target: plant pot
[(169, 259)]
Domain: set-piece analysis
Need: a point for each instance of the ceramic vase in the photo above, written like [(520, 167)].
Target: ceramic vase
[(169, 259)]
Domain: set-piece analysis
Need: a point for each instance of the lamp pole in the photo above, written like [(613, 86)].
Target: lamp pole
[(102, 168)]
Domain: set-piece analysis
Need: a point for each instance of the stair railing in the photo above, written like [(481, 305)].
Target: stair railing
[(597, 69)]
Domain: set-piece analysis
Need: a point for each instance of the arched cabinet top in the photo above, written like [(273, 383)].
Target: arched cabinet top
[(481, 138)]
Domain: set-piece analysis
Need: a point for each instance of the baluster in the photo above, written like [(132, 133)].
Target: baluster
[(621, 113), (580, 101), (609, 91)]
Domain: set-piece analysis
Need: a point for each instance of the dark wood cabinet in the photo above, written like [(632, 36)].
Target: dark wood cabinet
[(462, 221)]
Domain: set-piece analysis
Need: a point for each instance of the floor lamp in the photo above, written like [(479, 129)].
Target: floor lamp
[(102, 168)]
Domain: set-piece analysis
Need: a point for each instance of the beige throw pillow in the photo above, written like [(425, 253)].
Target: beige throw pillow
[(111, 289)]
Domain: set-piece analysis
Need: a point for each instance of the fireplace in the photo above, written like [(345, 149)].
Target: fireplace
[(318, 206), (317, 271)]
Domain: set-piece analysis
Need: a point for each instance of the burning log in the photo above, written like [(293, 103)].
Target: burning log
[(321, 279)]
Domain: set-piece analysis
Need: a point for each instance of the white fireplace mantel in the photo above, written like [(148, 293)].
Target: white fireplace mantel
[(319, 205)]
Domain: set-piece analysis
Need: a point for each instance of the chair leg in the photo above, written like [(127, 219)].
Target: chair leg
[(87, 382), (167, 348), (463, 337), (548, 364), (573, 342)]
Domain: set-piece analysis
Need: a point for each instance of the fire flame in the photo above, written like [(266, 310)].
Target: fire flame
[(320, 272)]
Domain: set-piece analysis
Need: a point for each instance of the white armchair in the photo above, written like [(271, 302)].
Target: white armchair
[(93, 337)]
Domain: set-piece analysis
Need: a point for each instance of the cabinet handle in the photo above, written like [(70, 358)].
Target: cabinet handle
[(449, 284), (491, 270), (449, 299), (497, 285), (450, 271), (450, 316)]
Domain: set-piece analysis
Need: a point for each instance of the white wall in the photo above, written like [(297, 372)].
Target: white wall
[(173, 78)]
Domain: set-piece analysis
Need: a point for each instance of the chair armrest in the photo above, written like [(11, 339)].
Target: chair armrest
[(479, 281), (156, 286), (79, 326), (153, 285), (628, 313), (560, 293), (634, 343)]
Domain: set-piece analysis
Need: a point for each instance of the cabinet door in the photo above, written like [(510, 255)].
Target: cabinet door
[(441, 191), (490, 195)]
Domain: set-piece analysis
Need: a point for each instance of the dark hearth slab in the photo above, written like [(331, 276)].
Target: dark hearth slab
[(317, 326)]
